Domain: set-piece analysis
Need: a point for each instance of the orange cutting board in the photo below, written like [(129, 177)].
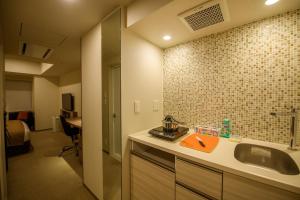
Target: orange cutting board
[(191, 142)]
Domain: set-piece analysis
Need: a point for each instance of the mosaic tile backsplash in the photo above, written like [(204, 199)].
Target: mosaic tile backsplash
[(242, 74)]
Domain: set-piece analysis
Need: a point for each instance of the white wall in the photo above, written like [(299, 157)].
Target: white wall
[(22, 66), (18, 96), (141, 79), (45, 101), (92, 111), (71, 83), (3, 187)]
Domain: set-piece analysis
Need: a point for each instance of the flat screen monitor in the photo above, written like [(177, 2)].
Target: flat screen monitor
[(67, 102)]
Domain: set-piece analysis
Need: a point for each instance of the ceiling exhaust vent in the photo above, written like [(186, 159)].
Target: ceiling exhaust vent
[(204, 15), (34, 51)]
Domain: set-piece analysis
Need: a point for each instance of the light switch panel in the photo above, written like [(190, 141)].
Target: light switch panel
[(155, 105), (137, 106)]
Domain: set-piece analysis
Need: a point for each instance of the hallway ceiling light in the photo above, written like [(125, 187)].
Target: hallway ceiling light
[(70, 1), (270, 2), (167, 37)]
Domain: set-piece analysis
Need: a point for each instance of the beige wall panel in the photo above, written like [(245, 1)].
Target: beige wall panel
[(92, 111), (45, 101), (141, 79)]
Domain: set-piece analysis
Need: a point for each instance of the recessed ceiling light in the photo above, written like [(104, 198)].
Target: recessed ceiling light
[(271, 2), (70, 1), (167, 37)]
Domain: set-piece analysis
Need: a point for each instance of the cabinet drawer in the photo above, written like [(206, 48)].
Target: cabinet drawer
[(185, 194), (236, 188), (150, 181), (204, 180)]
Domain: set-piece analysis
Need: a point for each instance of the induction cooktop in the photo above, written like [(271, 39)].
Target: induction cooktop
[(167, 135)]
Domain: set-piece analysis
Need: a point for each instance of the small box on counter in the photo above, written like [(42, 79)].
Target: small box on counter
[(208, 130)]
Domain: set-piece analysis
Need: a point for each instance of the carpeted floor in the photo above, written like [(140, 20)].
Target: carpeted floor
[(42, 175), (111, 178)]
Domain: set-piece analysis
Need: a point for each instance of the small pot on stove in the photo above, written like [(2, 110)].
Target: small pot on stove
[(170, 124)]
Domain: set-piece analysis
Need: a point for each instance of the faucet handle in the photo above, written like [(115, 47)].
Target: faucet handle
[(292, 112)]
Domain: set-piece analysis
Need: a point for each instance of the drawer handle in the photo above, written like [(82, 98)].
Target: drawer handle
[(200, 165), (196, 191), (152, 161)]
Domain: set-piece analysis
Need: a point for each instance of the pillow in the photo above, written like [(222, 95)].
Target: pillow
[(22, 115)]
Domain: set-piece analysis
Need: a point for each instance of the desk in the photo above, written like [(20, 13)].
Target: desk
[(76, 122)]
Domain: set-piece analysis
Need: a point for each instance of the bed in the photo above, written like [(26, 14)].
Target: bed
[(25, 116), (17, 137)]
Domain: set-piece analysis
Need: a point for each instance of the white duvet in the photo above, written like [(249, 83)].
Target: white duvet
[(27, 132)]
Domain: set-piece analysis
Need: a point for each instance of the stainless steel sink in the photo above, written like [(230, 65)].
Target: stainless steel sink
[(266, 157)]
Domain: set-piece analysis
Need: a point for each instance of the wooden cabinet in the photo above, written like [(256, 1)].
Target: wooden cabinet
[(159, 175), (185, 194), (239, 188), (204, 180), (150, 181)]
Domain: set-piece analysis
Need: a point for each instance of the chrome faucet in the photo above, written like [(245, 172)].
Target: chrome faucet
[(294, 119)]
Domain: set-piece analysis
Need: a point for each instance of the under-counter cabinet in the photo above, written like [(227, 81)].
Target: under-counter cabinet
[(158, 175), (199, 178), (150, 181), (240, 188), (183, 193)]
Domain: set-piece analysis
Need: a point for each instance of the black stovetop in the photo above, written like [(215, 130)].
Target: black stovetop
[(159, 132)]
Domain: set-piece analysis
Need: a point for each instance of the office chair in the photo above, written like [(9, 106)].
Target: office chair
[(71, 132)]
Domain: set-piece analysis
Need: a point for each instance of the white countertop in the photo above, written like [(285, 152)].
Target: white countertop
[(223, 158)]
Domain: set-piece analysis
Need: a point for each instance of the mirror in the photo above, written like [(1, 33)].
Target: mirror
[(111, 106)]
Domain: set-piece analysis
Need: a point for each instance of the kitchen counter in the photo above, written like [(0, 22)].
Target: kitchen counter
[(223, 158)]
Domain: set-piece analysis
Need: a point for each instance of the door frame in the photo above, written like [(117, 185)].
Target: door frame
[(110, 128), (3, 176)]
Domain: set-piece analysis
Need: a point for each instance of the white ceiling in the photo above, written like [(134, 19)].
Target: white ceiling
[(165, 20), (57, 24)]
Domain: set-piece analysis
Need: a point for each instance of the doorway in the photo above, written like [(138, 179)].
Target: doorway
[(115, 113), (111, 106)]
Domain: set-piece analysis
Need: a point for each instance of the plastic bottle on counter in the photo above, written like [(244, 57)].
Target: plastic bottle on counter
[(226, 130)]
